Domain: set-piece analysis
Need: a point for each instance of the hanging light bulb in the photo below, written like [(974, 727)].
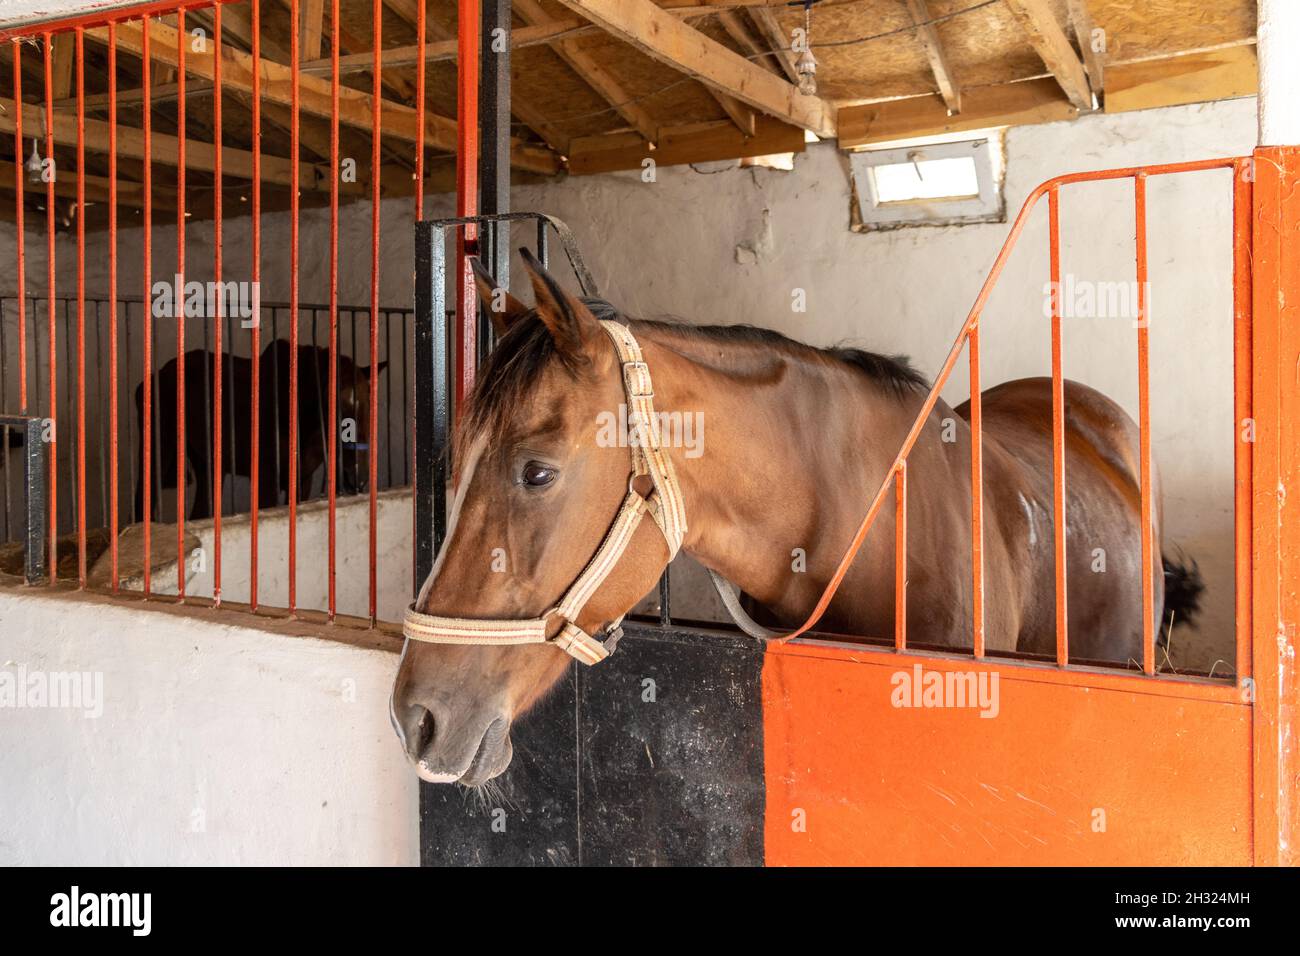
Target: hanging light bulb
[(34, 165), (806, 69), (805, 65)]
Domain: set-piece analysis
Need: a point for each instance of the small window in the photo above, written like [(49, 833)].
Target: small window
[(932, 184)]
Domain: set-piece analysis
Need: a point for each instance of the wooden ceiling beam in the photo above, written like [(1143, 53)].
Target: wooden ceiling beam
[(739, 114), (396, 119), (445, 49), (521, 107), (572, 52), (237, 21), (1048, 38), (1008, 104), (944, 77), (694, 143), (667, 39), (311, 32), (736, 29), (1093, 61), (765, 22), (97, 189), (236, 163), (61, 63)]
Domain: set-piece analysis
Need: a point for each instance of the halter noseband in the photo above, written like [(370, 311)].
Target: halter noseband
[(664, 504)]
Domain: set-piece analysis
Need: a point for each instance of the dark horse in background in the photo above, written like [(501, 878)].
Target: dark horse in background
[(273, 424)]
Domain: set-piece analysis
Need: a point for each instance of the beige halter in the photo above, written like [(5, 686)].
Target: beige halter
[(664, 505)]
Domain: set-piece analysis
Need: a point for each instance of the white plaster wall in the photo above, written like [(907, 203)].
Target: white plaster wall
[(217, 744), (394, 585)]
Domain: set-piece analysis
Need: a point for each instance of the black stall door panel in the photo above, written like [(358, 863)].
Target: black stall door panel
[(652, 757)]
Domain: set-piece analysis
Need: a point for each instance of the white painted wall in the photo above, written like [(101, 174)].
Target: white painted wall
[(217, 744), (394, 585)]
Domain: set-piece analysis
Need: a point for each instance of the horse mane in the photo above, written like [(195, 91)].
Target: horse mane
[(514, 366)]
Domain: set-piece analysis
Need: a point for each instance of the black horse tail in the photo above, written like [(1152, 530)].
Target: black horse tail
[(1184, 588)]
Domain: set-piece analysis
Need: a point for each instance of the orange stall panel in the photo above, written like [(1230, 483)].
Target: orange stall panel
[(1066, 769)]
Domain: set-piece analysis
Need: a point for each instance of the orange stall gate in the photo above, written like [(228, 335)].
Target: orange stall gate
[(1083, 765)]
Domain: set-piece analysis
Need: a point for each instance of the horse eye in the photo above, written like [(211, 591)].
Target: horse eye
[(538, 475)]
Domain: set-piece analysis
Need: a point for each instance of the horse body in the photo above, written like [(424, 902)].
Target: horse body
[(273, 422), (796, 441)]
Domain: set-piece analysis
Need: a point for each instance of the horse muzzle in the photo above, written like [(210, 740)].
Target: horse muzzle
[(447, 748)]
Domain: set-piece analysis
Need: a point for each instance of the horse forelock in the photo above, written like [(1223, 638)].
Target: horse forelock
[(509, 379)]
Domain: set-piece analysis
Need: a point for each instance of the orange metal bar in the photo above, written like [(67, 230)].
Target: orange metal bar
[(372, 455), (332, 478), (467, 72), (1275, 350), (50, 175), (112, 307), (146, 269), (295, 21), (180, 306), (254, 436), (927, 407), (20, 237), (1058, 427), (900, 557), (217, 199), (79, 40), (420, 29), (1243, 406), (1144, 431), (976, 494)]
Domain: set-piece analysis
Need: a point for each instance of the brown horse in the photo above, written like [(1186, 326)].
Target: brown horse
[(796, 439), (353, 405)]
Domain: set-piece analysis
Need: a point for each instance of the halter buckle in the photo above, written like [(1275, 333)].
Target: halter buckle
[(631, 372)]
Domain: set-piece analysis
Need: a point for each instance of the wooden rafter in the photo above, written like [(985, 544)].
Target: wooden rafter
[(237, 22), (1093, 61), (129, 193), (1008, 104), (739, 114), (944, 76), (312, 29), (593, 73), (667, 39), (1048, 38), (521, 107), (765, 20), (738, 31), (693, 143), (409, 55), (61, 62), (236, 163), (396, 119)]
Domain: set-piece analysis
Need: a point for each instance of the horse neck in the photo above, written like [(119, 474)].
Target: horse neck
[(791, 445)]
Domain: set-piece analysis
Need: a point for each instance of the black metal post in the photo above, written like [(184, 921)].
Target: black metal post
[(36, 488), (432, 397)]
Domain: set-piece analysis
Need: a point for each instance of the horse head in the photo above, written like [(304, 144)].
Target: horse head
[(535, 491), (354, 416)]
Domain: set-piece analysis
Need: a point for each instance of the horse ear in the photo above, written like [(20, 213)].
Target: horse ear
[(571, 324), (488, 292)]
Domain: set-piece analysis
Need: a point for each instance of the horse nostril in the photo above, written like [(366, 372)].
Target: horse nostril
[(420, 733)]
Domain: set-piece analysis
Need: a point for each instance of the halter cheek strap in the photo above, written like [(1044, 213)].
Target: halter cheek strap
[(664, 504)]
